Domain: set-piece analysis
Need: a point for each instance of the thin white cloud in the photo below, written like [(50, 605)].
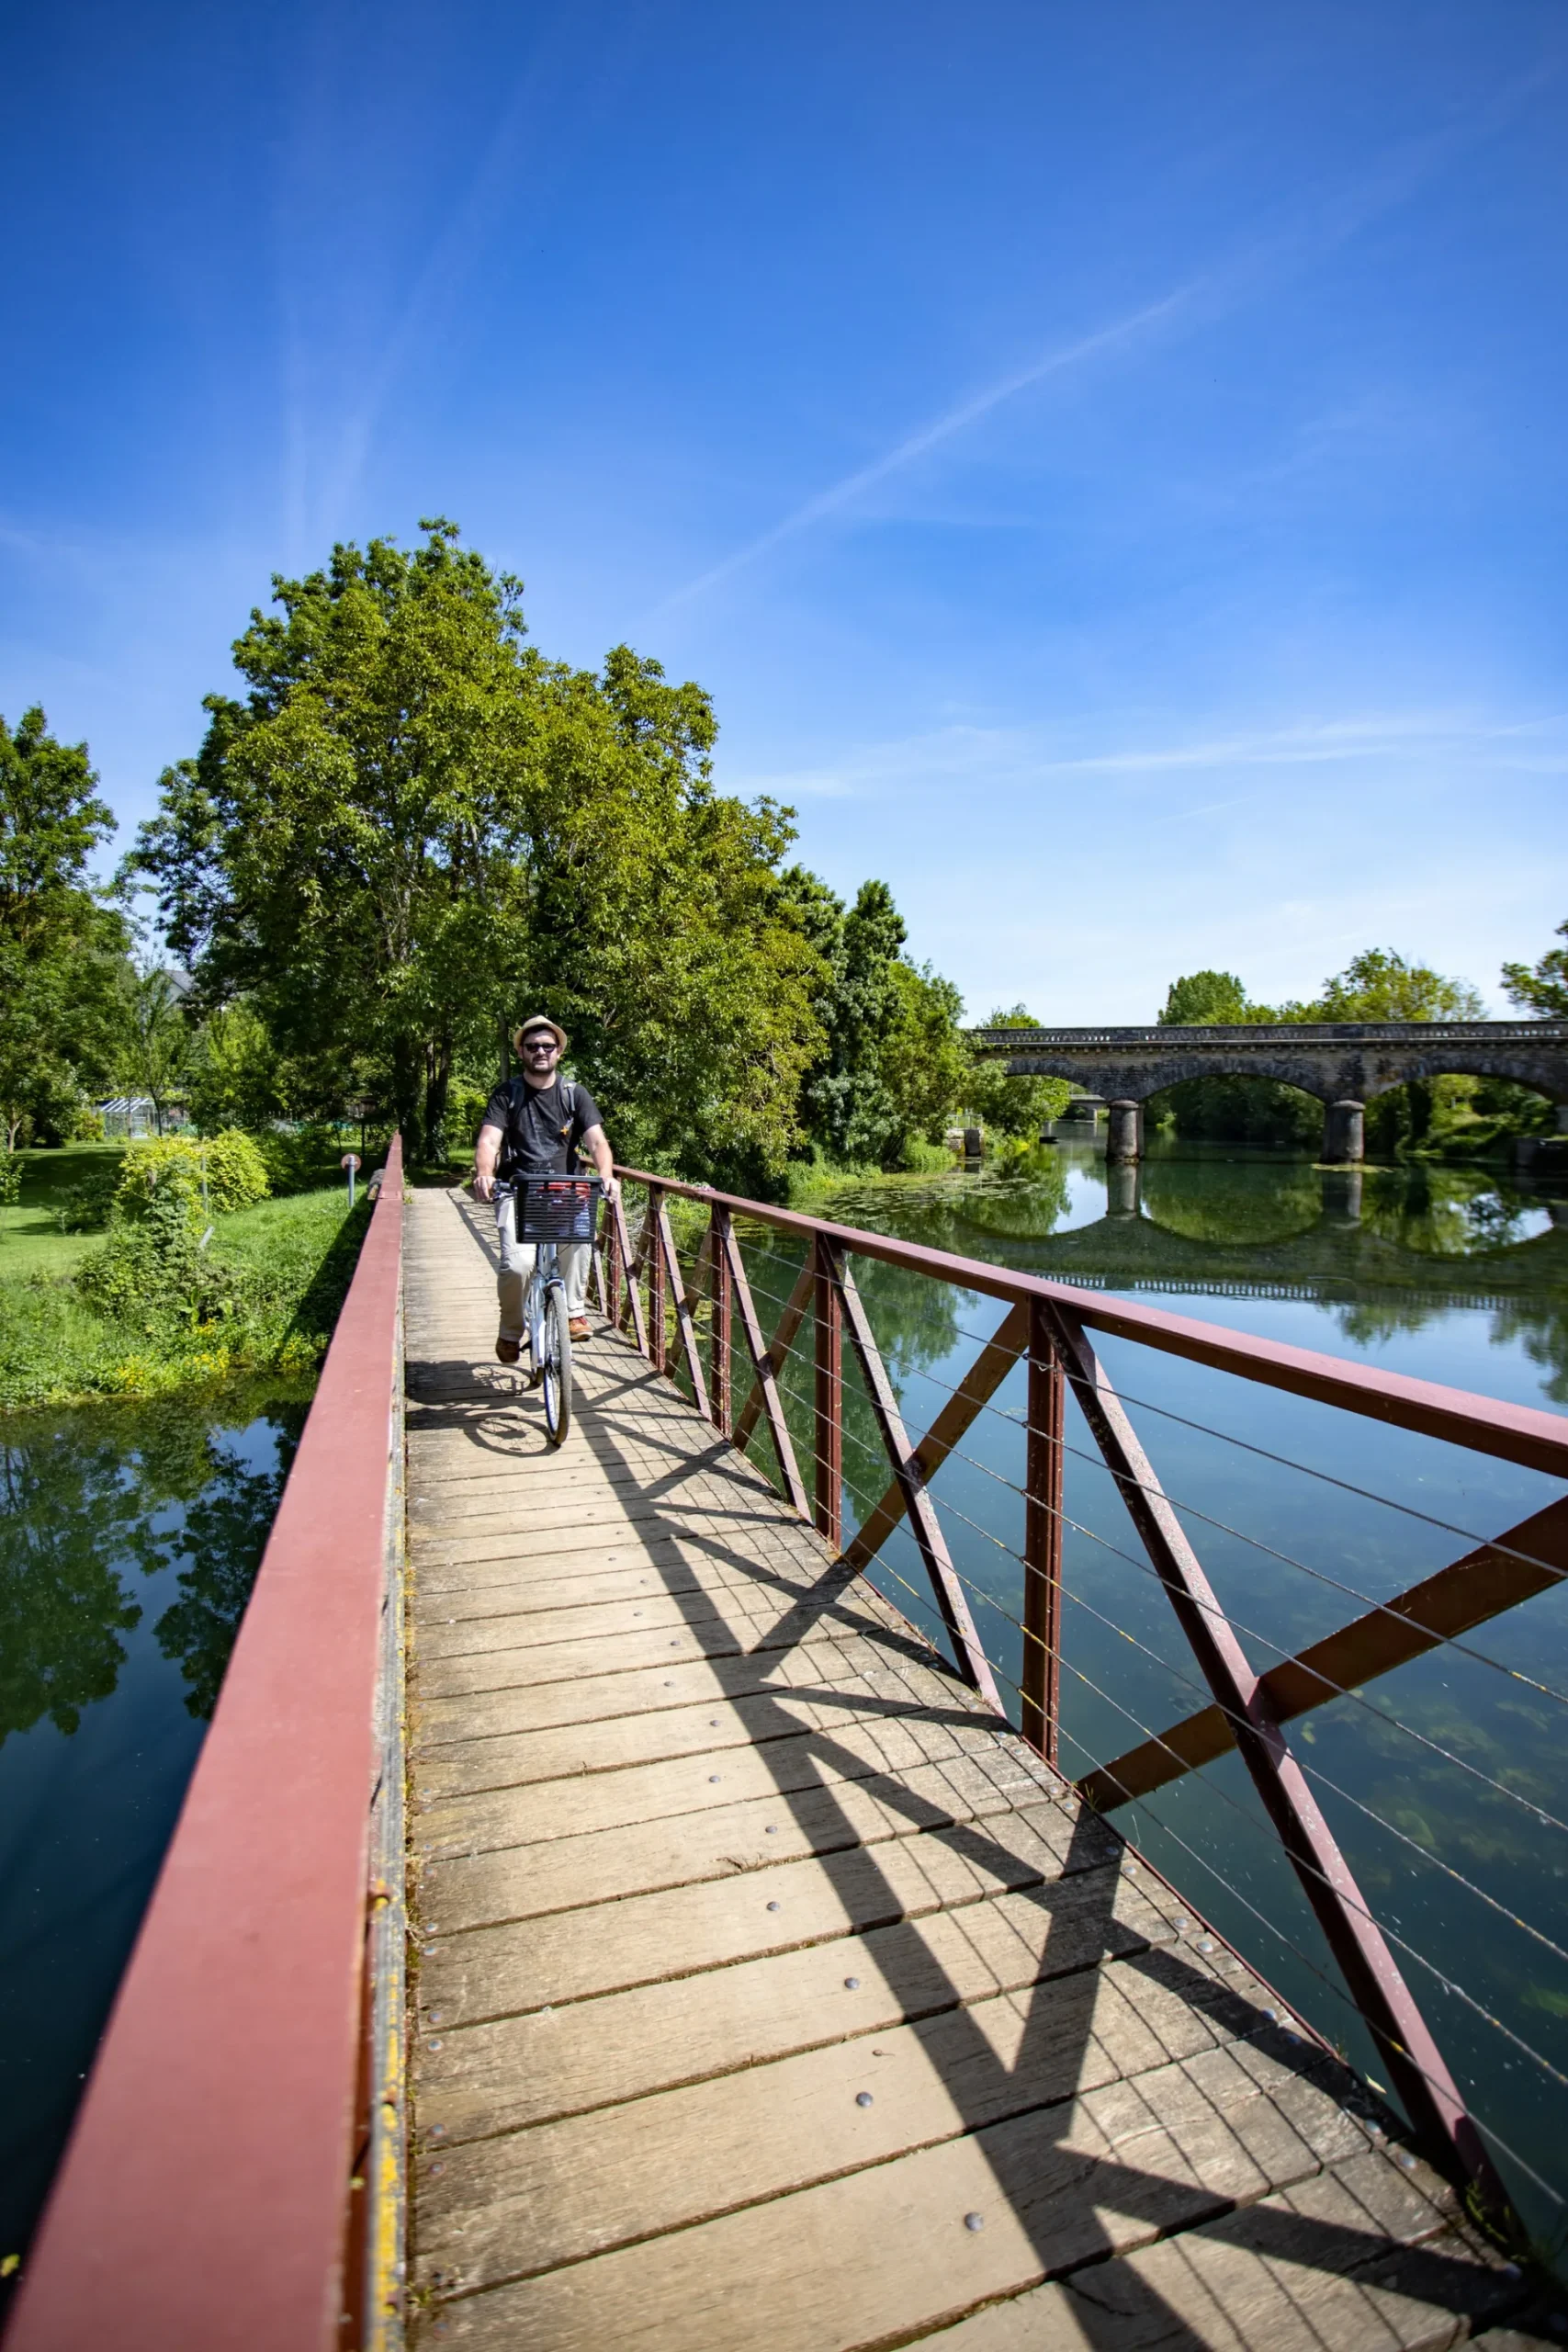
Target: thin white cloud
[(953, 421), (1322, 223), (1533, 746)]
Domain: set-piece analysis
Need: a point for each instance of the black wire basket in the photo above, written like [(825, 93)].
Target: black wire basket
[(557, 1208)]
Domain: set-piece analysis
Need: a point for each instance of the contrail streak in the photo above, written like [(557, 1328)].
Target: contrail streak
[(931, 436)]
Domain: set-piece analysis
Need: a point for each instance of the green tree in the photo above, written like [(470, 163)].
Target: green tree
[(62, 947), (1541, 988), (891, 1066), (156, 1053), (1018, 1107), (415, 828), (1209, 999), (236, 1076), (1380, 985)]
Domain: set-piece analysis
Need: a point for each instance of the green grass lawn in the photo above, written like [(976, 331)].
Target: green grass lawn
[(296, 1256), (30, 1239)]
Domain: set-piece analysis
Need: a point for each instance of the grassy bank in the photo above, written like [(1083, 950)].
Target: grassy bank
[(290, 1259)]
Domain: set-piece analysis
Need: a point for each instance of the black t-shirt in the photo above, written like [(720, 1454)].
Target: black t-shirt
[(539, 1134)]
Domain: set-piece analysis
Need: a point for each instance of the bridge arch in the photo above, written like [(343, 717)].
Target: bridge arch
[(1344, 1064)]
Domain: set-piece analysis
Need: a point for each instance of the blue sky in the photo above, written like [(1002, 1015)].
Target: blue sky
[(1108, 464)]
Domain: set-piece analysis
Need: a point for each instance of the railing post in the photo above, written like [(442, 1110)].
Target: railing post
[(722, 1296), (613, 1274), (1043, 1538), (655, 1280), (828, 1513)]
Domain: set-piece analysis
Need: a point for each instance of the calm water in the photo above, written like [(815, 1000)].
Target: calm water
[(1447, 1782), (128, 1541)]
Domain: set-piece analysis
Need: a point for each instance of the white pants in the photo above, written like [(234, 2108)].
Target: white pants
[(517, 1266)]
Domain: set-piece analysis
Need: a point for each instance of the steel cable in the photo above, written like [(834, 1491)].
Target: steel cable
[(1144, 1568)]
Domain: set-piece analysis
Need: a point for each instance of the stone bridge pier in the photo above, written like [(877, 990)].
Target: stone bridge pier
[(1346, 1064)]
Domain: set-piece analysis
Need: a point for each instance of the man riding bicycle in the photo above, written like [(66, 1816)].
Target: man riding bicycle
[(533, 1127)]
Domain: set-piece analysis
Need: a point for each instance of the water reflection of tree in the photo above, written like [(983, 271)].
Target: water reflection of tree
[(1444, 1213), (224, 1532), (1234, 1205), (1541, 1326), (81, 1499), (64, 1516)]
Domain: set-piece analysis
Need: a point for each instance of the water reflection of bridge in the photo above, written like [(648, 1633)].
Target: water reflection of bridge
[(1342, 1250), (1305, 1293)]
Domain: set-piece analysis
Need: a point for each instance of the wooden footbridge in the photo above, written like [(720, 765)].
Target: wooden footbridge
[(769, 1990), (763, 1986)]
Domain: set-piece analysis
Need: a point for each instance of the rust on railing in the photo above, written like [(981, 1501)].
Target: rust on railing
[(1048, 1325)]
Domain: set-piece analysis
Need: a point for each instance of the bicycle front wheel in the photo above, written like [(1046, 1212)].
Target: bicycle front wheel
[(556, 1365)]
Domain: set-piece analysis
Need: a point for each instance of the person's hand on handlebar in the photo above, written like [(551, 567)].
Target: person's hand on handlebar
[(487, 1151)]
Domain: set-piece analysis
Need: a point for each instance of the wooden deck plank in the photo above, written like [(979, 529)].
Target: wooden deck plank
[(815, 1663), (513, 2070), (505, 2207), (520, 1965), (804, 1757), (708, 1847)]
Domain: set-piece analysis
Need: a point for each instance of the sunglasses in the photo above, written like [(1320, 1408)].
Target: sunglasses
[(540, 1046)]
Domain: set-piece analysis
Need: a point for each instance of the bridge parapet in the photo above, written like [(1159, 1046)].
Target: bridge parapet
[(1344, 1063), (1265, 1033)]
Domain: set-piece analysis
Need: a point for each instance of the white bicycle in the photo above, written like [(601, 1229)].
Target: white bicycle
[(551, 1210)]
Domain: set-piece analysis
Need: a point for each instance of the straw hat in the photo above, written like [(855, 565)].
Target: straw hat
[(540, 1021)]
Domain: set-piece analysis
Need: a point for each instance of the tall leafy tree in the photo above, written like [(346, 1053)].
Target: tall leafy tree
[(1209, 999), (156, 1047), (1541, 988), (892, 1064), (1380, 985), (1012, 1106), (414, 827), (61, 946)]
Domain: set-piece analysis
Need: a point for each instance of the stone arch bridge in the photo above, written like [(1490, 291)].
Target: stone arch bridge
[(1344, 1063)]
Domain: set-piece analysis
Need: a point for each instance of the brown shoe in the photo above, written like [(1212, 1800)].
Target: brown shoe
[(578, 1327), (507, 1351)]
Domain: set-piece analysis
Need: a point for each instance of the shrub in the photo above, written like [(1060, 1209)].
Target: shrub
[(235, 1170), (155, 1268), (298, 1159), (83, 1206)]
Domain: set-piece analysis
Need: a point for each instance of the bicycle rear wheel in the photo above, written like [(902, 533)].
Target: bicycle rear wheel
[(555, 1368)]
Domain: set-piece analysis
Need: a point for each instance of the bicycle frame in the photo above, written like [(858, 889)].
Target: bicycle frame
[(547, 1271)]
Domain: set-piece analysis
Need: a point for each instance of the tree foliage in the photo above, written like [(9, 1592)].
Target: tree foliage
[(1209, 999), (1014, 1107), (891, 1065), (62, 947), (1541, 988), (1379, 985), (415, 825)]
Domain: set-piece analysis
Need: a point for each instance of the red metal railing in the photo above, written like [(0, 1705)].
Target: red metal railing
[(234, 2177), (1048, 1325)]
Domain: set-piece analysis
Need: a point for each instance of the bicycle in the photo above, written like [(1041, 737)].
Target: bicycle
[(551, 1210)]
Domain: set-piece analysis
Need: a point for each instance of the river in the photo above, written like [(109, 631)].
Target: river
[(1446, 1782), (130, 1536)]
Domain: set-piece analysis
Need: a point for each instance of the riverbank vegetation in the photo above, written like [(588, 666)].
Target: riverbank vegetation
[(176, 1292)]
